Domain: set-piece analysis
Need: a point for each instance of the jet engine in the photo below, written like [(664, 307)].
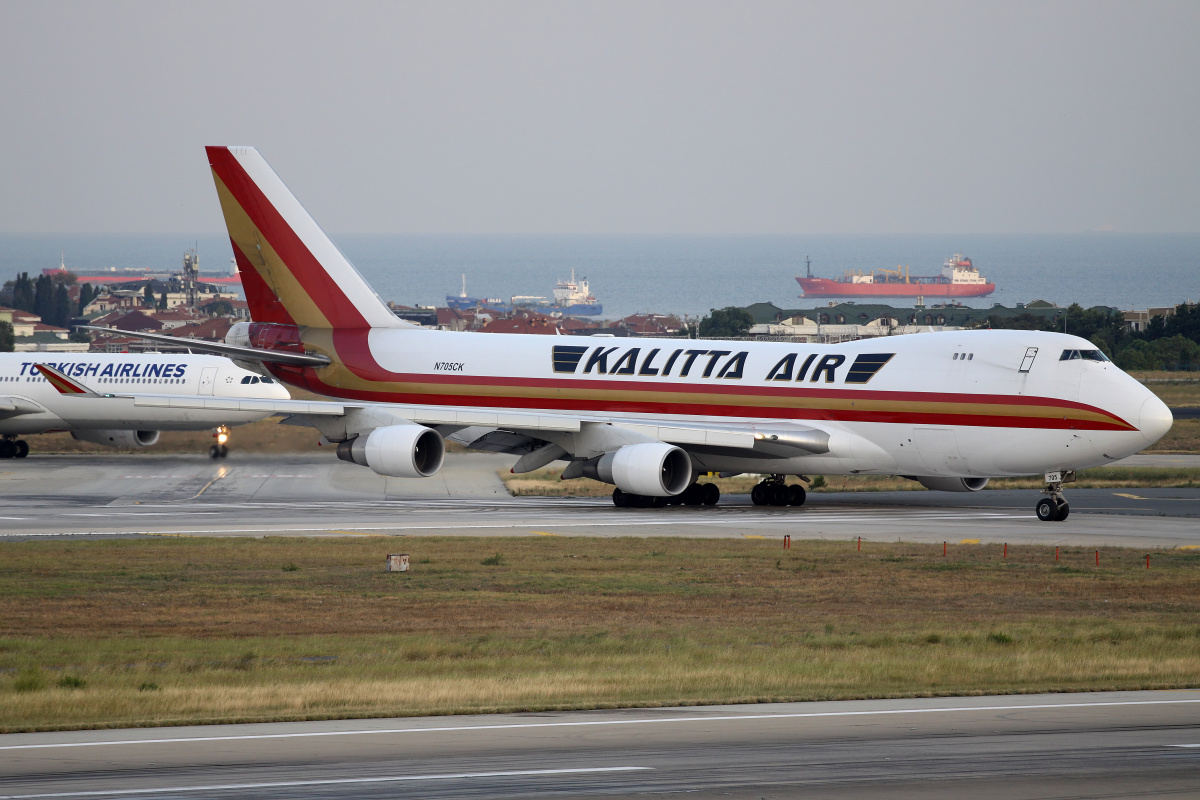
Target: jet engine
[(652, 469), (117, 438), (400, 451), (953, 484)]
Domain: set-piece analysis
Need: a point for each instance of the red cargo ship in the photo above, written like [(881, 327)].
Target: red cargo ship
[(959, 278)]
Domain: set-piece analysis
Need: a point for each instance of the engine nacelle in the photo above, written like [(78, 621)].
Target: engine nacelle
[(653, 469), (953, 484), (399, 451), (117, 438)]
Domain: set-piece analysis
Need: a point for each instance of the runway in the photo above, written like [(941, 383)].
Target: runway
[(1120, 744), (316, 495)]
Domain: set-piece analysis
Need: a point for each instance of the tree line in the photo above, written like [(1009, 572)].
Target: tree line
[(1167, 343)]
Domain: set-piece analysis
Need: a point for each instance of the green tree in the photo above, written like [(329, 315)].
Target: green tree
[(162, 301), (218, 308), (86, 295), (23, 293), (62, 307), (148, 294), (6, 337), (723, 323), (43, 298)]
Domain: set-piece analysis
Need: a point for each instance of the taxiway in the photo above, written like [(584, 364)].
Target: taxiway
[(1118, 744)]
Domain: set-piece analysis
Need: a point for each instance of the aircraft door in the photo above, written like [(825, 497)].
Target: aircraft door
[(1027, 362), (208, 376)]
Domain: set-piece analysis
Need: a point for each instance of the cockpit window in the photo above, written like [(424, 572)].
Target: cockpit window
[(267, 380), (1087, 355)]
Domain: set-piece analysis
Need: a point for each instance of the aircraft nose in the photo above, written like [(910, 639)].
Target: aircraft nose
[(1155, 419)]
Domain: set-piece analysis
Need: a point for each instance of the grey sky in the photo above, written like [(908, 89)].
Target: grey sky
[(610, 117)]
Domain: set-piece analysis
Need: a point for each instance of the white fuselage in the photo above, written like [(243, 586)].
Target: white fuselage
[(961, 404), (119, 373)]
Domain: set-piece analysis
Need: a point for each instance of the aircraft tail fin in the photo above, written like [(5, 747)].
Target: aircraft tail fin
[(292, 273), (61, 382)]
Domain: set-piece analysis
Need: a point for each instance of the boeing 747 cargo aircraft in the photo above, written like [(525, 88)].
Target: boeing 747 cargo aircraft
[(649, 416)]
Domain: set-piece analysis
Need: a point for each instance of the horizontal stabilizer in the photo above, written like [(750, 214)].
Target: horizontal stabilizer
[(220, 348)]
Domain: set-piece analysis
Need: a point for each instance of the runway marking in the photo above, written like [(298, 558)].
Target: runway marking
[(1183, 745), (221, 473), (334, 782), (594, 723), (1130, 496), (357, 533), (969, 541), (752, 536), (1181, 547), (546, 533)]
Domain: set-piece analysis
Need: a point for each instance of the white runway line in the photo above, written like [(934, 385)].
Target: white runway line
[(330, 782), (594, 723)]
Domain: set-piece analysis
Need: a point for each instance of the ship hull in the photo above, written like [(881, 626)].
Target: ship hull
[(824, 287)]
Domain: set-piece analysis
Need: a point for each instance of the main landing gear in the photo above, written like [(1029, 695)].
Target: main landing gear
[(774, 491), (698, 494), (1054, 507), (13, 448)]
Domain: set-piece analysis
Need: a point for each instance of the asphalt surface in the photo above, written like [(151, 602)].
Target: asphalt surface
[(317, 495), (1127, 744)]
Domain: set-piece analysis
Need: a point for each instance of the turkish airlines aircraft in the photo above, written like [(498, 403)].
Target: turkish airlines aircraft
[(950, 410), (31, 402)]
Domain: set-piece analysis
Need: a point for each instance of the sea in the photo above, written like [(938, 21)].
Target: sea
[(684, 275)]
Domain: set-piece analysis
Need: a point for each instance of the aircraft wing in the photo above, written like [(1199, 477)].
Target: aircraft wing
[(16, 406), (508, 431)]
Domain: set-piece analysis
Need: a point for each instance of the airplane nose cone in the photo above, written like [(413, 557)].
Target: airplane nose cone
[(1155, 419)]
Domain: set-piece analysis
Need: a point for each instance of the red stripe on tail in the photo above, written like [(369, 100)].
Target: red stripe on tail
[(314, 280)]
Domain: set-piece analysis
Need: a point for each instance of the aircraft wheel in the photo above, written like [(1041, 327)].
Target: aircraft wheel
[(224, 450), (7, 449), (1064, 509), (711, 494), (1047, 511), (658, 502), (620, 499), (693, 495), (778, 495), (796, 495), (22, 448), (758, 494)]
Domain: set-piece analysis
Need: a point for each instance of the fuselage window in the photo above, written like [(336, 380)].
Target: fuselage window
[(956, 356), (970, 356)]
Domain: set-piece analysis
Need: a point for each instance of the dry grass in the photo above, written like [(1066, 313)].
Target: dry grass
[(1184, 437), (1173, 388), (546, 482), (202, 630)]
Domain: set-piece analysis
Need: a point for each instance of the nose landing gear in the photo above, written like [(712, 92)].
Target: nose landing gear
[(1054, 507), (220, 449)]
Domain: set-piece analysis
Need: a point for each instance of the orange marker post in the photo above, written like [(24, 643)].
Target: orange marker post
[(943, 548), (860, 544), (1097, 558), (1056, 554), (1006, 549)]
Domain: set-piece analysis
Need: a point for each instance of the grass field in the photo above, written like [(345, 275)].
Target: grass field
[(163, 631)]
